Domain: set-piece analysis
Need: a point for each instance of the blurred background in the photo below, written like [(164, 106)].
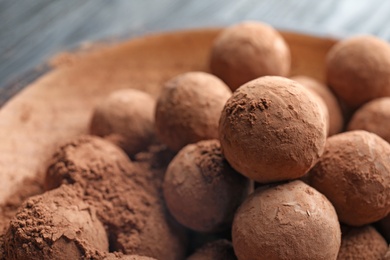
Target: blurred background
[(31, 31)]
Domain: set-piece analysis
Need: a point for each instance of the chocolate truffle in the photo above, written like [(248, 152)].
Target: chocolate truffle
[(336, 120), (361, 243), (373, 117), (2, 254), (127, 257), (85, 160), (358, 69), (271, 129), (201, 190), (387, 255), (189, 108), (133, 214), (125, 117), (56, 225), (216, 250), (383, 226), (353, 173), (249, 50), (288, 221)]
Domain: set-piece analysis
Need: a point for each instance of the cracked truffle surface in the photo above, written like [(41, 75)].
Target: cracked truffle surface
[(354, 174), (271, 129), (287, 221)]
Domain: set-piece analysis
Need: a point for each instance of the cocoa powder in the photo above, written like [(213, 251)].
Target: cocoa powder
[(268, 121)]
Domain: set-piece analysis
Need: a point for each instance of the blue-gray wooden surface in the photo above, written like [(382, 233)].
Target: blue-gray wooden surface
[(33, 30)]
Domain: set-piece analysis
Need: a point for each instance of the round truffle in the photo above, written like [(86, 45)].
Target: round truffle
[(217, 250), (189, 108), (373, 117), (358, 69), (271, 129), (288, 221), (85, 160), (362, 243), (114, 256), (336, 121), (387, 255), (55, 225), (133, 214), (383, 227), (249, 50), (125, 117), (353, 173), (201, 190)]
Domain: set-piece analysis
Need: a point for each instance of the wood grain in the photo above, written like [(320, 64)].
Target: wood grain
[(58, 105), (31, 31)]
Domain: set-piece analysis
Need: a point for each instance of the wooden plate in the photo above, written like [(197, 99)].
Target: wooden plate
[(59, 104)]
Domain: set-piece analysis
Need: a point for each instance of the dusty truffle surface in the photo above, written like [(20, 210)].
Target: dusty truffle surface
[(188, 109), (125, 117), (249, 50), (288, 221), (55, 225), (216, 250), (373, 117), (133, 213), (353, 173), (271, 120), (362, 243), (358, 69), (201, 190), (336, 121)]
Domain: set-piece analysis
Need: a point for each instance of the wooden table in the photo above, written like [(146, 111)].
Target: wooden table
[(31, 31)]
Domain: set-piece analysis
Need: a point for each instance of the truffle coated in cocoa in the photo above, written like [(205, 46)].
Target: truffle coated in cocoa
[(113, 256), (373, 117), (188, 109), (361, 243), (336, 121), (134, 216), (217, 250), (249, 50), (198, 239), (85, 160), (268, 121), (201, 190), (321, 103), (387, 255), (354, 174), (383, 227), (2, 253), (56, 225), (287, 221), (358, 69), (125, 117)]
